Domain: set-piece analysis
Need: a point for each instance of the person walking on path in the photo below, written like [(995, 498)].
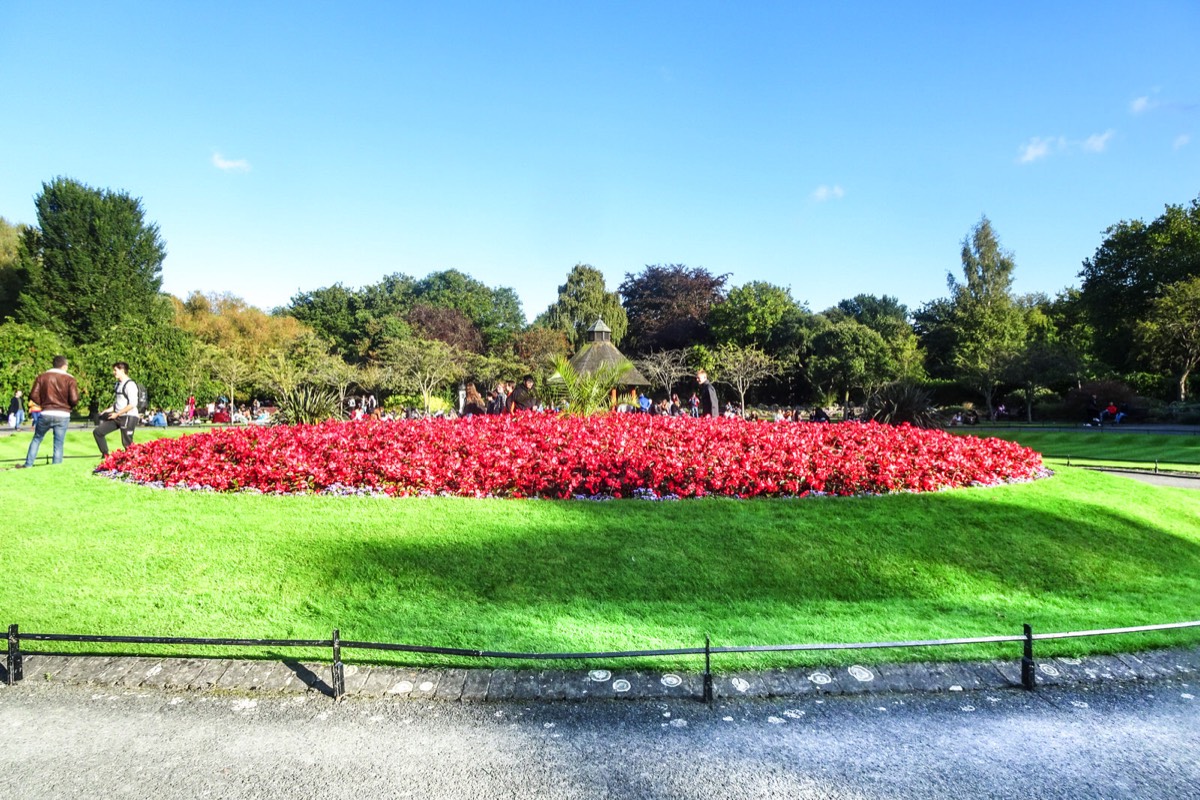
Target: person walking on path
[(709, 407), (122, 415), (56, 393), (16, 410)]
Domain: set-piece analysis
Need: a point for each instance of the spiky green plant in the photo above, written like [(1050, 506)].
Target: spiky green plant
[(585, 393), (306, 404), (903, 401)]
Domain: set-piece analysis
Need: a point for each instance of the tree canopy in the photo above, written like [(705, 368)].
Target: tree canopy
[(1123, 277), (91, 263), (668, 306), (582, 300), (1170, 334)]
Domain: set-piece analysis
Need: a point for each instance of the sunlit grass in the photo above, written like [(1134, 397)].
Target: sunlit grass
[(84, 554), (1105, 447)]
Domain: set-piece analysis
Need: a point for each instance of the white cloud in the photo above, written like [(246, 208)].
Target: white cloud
[(1098, 142), (823, 193), (1142, 104), (1040, 147), (1035, 149), (1181, 141), (230, 165)]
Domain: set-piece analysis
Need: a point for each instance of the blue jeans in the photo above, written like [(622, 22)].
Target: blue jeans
[(45, 424)]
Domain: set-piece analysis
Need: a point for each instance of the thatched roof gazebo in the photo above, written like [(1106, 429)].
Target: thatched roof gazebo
[(599, 351)]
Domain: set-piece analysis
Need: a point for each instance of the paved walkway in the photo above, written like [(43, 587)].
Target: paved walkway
[(485, 685)]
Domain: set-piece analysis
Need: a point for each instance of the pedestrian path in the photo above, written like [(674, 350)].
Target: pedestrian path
[(487, 685)]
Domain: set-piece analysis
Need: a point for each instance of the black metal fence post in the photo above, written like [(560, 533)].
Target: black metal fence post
[(15, 667), (708, 684), (339, 672), (1028, 676)]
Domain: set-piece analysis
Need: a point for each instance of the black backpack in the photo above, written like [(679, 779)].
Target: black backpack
[(143, 397)]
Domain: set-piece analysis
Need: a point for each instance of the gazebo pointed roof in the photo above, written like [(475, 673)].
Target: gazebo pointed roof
[(599, 352)]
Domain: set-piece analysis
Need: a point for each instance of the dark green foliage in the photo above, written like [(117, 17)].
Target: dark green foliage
[(582, 300), (904, 401), (27, 353), (1127, 271), (91, 262)]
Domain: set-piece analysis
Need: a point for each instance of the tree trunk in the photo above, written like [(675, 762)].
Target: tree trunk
[(1183, 380), (1029, 402)]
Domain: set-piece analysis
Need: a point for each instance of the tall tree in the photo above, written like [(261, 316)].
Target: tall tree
[(91, 262), (447, 325), (497, 312), (668, 306), (10, 280), (753, 314), (888, 317), (1170, 334), (849, 356), (423, 366), (582, 300), (989, 327), (1124, 276), (1046, 358), (742, 367)]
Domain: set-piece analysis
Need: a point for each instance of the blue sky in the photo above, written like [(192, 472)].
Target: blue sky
[(836, 149)]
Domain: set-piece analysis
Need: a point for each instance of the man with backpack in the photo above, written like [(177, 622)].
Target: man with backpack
[(122, 415)]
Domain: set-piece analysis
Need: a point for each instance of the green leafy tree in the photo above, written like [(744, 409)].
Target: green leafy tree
[(158, 355), (1124, 276), (91, 260), (1046, 358), (888, 317), (234, 370), (1170, 334), (752, 314), (10, 279), (423, 366), (582, 300), (334, 373), (496, 312), (25, 353), (989, 327), (848, 356), (668, 306), (356, 322)]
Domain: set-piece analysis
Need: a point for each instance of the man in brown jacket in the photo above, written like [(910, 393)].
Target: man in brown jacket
[(57, 393)]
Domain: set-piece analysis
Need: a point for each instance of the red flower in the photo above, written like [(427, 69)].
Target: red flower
[(534, 455)]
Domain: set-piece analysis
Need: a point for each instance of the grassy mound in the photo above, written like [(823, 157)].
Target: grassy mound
[(1078, 550)]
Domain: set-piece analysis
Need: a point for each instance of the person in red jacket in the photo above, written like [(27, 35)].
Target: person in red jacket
[(56, 392)]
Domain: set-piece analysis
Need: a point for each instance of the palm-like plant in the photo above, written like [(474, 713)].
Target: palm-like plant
[(585, 393)]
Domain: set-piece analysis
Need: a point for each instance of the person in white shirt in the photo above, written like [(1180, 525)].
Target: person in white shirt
[(122, 415)]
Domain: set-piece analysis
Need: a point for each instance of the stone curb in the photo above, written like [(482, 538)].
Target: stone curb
[(497, 685)]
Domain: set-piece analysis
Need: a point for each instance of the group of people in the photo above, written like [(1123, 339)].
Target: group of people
[(505, 398), (55, 394)]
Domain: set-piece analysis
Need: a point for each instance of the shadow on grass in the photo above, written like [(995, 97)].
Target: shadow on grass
[(787, 552)]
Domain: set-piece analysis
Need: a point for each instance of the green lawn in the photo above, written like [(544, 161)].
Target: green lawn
[(1105, 447), (84, 554)]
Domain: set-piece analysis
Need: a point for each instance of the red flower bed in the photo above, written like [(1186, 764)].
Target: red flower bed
[(540, 455)]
